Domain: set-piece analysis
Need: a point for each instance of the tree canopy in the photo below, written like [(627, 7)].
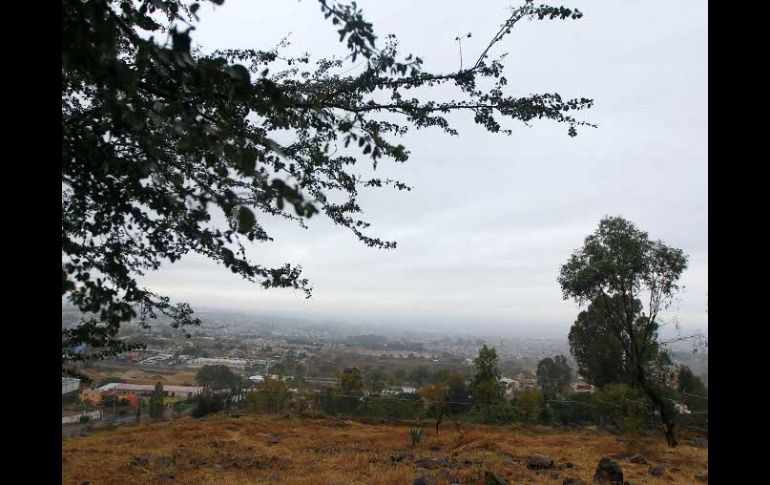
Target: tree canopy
[(169, 149), (617, 266), (553, 376)]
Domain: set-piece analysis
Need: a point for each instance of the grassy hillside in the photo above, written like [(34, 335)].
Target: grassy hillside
[(228, 450)]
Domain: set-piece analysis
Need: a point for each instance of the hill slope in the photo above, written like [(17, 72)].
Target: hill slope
[(326, 451)]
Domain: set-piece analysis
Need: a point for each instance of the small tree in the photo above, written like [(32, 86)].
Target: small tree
[(139, 409), (486, 381), (156, 402), (436, 397), (553, 376), (529, 402)]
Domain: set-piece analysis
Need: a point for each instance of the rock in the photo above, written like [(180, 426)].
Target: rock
[(400, 456), (702, 477), (164, 460), (572, 481), (608, 472), (422, 481), (166, 476), (639, 460), (492, 478), (273, 478), (539, 462), (432, 462), (657, 470), (273, 440)]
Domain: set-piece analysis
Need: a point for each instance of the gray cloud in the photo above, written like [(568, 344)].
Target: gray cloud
[(492, 218)]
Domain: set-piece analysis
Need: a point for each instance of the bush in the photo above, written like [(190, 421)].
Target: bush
[(416, 436), (84, 419), (207, 403)]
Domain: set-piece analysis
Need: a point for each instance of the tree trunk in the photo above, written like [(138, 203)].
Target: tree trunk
[(666, 413)]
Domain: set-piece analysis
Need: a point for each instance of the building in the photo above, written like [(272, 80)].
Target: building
[(69, 384), (120, 389), (582, 386), (522, 381), (237, 364)]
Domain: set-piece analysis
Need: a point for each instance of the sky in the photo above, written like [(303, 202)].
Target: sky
[(492, 218)]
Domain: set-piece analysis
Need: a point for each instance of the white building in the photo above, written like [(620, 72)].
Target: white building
[(175, 391), (69, 384), (239, 364)]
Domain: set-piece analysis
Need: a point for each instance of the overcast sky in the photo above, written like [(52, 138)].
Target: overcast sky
[(492, 217)]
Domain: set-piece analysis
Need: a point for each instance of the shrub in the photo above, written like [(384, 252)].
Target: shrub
[(84, 419), (207, 403), (416, 436)]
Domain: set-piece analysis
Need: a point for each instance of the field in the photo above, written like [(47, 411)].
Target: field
[(142, 375), (248, 449)]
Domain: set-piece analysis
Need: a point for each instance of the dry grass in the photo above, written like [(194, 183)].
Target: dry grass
[(323, 451), (139, 375)]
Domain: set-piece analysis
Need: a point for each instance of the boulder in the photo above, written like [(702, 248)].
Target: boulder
[(639, 460), (539, 462), (702, 477), (492, 478), (608, 472), (657, 470)]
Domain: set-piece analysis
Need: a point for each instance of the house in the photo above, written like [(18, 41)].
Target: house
[(522, 381), (392, 390), (582, 386), (121, 389)]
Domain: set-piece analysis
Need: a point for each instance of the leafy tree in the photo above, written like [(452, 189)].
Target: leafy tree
[(693, 393), (419, 375), (219, 377), (436, 398), (486, 381), (597, 348), (376, 380), (160, 139), (620, 405), (207, 403), (156, 402), (270, 395), (459, 394), (616, 267), (352, 382), (553, 376), (529, 403)]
